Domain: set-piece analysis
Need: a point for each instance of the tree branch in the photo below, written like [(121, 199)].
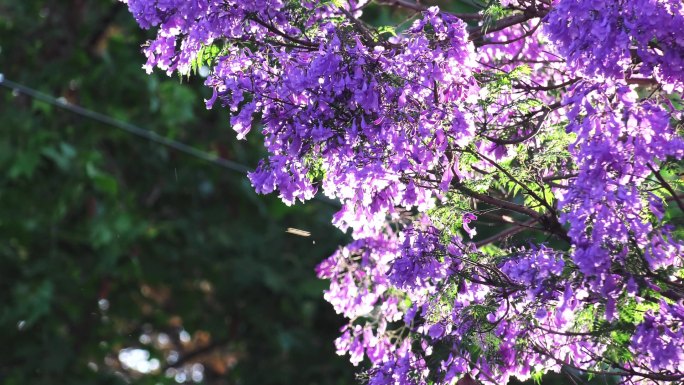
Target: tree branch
[(403, 4), (523, 138), (496, 202), (421, 8), (478, 32), (548, 86), (667, 186), (522, 185), (280, 33), (515, 229), (549, 221), (191, 355)]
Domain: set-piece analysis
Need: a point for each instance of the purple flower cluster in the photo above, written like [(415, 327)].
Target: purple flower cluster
[(622, 38), (560, 118), (657, 340), (422, 262), (618, 140), (358, 274)]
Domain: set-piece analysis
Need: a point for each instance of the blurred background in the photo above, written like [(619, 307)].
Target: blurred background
[(124, 261)]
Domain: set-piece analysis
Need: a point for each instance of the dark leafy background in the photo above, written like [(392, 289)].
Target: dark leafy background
[(108, 241)]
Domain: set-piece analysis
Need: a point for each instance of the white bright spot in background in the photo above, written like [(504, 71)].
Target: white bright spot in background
[(145, 339), (197, 372), (180, 377), (138, 360), (187, 373), (103, 304), (204, 71), (184, 336), (163, 339), (172, 358)]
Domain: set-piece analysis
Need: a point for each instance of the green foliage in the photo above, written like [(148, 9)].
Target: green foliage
[(449, 216), (537, 376), (206, 56), (316, 169), (387, 29), (112, 242), (492, 13)]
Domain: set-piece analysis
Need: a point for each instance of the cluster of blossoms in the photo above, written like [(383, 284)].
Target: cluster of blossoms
[(556, 121)]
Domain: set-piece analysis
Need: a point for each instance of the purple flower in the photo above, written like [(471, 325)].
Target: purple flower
[(467, 218)]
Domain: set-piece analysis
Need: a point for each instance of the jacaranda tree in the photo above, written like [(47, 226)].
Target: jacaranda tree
[(509, 171)]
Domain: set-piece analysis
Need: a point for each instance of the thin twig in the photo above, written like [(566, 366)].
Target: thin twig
[(281, 33), (480, 31), (517, 228), (497, 202), (667, 186)]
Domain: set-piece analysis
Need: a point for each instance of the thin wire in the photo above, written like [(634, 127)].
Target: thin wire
[(128, 127), (135, 130)]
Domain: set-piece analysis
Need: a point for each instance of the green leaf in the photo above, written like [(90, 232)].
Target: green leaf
[(24, 164), (102, 181), (387, 29)]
